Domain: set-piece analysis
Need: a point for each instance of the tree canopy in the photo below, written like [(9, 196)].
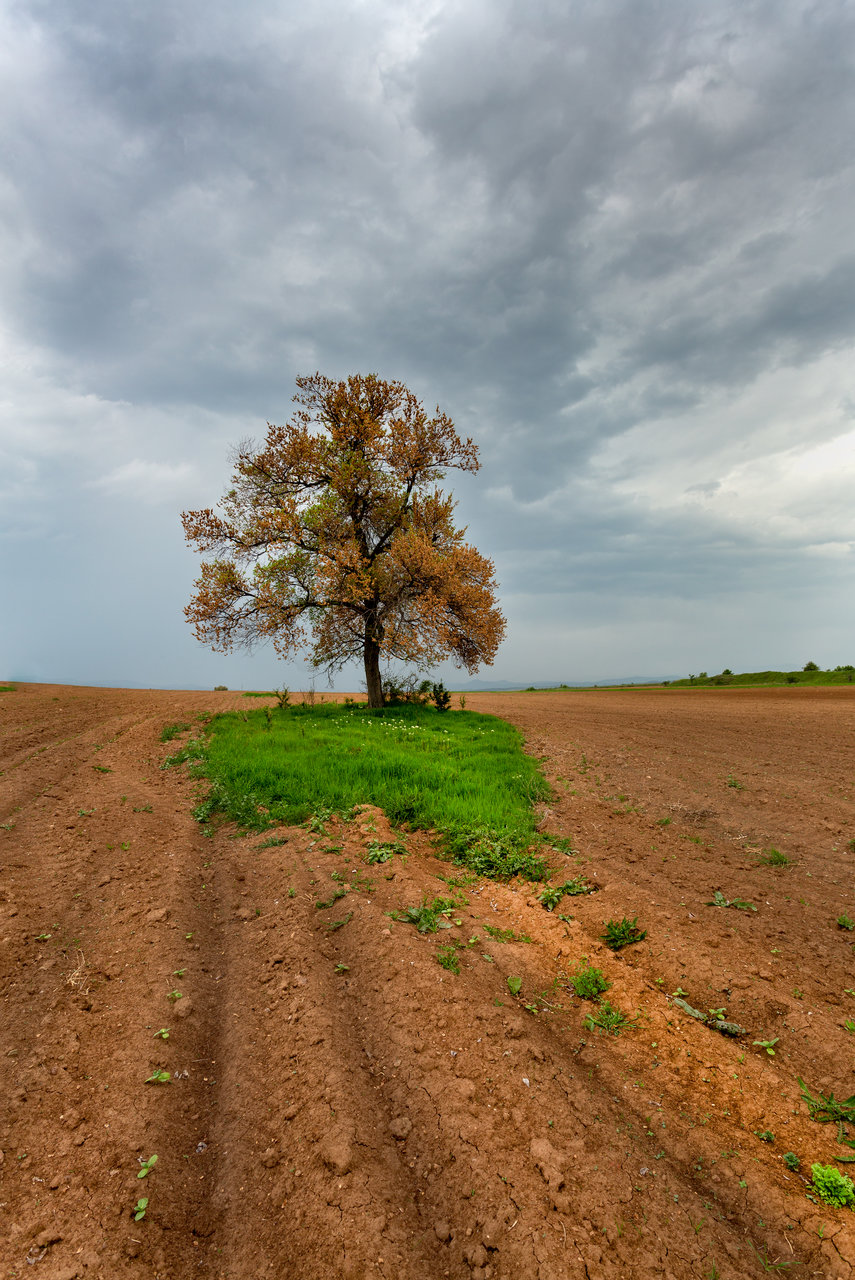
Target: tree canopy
[(336, 534)]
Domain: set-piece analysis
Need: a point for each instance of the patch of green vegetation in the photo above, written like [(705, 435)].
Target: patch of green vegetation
[(505, 935), (621, 933), (335, 897), (170, 731), (774, 858), (588, 982), (810, 674), (429, 916), (608, 1019), (447, 958), (457, 772), (719, 900), (791, 1160), (384, 852), (832, 1186), (7, 688), (845, 922), (551, 897)]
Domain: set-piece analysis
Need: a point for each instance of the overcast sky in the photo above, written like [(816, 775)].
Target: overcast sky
[(614, 241)]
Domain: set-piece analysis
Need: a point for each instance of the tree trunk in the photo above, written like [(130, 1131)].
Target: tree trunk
[(373, 683)]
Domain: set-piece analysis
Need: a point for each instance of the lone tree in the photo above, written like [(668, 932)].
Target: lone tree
[(336, 523)]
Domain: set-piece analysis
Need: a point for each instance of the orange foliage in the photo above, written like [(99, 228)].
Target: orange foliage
[(336, 524)]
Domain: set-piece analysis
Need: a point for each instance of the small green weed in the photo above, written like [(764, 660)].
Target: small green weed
[(719, 900), (505, 935), (495, 855), (147, 1166), (342, 968), (551, 896), (447, 958), (774, 858), (792, 1161), (765, 1135), (768, 1045), (162, 1034), (272, 842), (139, 1208), (380, 852), (608, 1019), (102, 768), (174, 995), (142, 808), (832, 1186), (848, 1024), (514, 985), (587, 982), (335, 897), (825, 1108), (170, 731), (622, 933), (429, 916), (158, 1076), (339, 924), (735, 784), (845, 922)]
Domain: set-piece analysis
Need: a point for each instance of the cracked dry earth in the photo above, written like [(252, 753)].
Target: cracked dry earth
[(338, 1104)]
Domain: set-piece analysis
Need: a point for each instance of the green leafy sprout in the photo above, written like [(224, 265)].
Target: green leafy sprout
[(622, 933)]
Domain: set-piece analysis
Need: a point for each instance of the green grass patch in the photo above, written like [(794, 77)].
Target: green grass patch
[(8, 688), (170, 731), (459, 773)]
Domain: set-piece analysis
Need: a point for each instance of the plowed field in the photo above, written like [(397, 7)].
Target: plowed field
[(329, 1101)]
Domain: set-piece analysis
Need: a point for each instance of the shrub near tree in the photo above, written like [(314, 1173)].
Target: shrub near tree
[(336, 526)]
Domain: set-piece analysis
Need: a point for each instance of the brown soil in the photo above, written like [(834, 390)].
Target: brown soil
[(340, 1105)]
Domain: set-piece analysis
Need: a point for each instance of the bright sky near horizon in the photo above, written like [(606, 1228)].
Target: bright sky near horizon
[(613, 241)]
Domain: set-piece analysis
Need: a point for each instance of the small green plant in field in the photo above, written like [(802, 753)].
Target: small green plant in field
[(496, 856), (551, 897), (832, 1186), (505, 935), (622, 933), (719, 900), (272, 842), (162, 1034), (608, 1019), (774, 858), (845, 922), (140, 1208), (587, 982), (317, 821), (768, 1045), (143, 808), (102, 768), (383, 852), (147, 1166), (334, 925), (342, 968), (334, 897), (849, 1025), (792, 1161), (174, 995), (447, 958), (735, 784), (429, 916), (514, 985), (193, 749), (170, 731), (158, 1076), (764, 1258), (826, 1109), (765, 1135)]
